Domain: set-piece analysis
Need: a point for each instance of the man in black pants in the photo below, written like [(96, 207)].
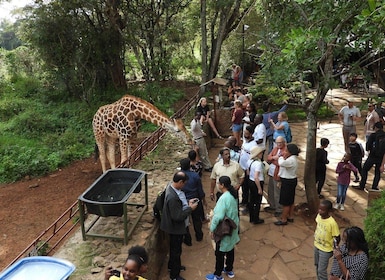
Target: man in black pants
[(193, 189), (374, 158), (175, 214)]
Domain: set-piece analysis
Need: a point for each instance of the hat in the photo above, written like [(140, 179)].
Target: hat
[(350, 100), (293, 149), (256, 151)]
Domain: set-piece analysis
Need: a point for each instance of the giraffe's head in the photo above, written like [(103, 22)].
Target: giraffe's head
[(177, 126)]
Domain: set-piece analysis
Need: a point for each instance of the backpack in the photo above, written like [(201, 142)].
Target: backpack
[(379, 144), (158, 204), (288, 135)]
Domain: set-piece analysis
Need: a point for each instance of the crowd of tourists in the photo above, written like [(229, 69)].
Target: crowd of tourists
[(257, 156)]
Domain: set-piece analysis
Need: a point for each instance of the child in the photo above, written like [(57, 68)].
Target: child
[(130, 270), (357, 153), (326, 230), (321, 161), (343, 170)]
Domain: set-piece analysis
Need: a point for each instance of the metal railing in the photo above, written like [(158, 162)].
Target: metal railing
[(50, 238)]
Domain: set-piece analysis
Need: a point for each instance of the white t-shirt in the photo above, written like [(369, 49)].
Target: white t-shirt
[(260, 133), (288, 167), (256, 165), (347, 112), (245, 153)]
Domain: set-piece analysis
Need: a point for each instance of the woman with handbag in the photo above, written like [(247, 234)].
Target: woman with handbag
[(351, 258), (226, 207)]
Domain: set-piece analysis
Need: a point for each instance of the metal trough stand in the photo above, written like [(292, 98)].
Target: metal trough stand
[(109, 196)]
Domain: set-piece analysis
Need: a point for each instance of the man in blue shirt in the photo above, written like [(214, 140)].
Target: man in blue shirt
[(193, 189), (267, 116)]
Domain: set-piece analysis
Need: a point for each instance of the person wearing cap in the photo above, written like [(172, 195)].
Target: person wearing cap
[(348, 116), (288, 165), (256, 179), (371, 118)]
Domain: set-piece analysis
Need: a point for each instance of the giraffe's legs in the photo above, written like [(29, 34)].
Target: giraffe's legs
[(111, 152), (100, 142), (125, 150)]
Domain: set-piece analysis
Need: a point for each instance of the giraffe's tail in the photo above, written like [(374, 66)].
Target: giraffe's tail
[(96, 150)]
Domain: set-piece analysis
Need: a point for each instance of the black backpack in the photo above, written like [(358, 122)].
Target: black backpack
[(158, 205)]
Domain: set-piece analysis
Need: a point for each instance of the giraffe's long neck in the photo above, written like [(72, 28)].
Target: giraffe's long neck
[(146, 111)]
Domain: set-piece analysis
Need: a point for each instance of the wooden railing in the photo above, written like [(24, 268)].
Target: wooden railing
[(49, 239)]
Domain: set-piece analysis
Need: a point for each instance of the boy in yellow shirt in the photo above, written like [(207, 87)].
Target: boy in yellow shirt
[(326, 231)]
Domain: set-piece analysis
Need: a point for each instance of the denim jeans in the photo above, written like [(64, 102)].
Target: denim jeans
[(321, 261), (341, 193)]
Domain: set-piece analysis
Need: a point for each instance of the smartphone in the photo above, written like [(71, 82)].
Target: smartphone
[(335, 243), (115, 272)]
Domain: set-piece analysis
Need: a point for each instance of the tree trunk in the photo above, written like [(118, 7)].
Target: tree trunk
[(203, 44), (310, 163)]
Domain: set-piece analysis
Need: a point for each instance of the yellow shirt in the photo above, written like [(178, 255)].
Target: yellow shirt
[(233, 170), (324, 233)]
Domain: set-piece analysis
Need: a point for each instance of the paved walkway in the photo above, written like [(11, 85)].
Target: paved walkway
[(265, 251), (272, 252)]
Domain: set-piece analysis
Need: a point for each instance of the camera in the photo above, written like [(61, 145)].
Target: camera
[(115, 272), (196, 200)]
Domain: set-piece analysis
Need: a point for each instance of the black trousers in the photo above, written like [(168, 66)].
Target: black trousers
[(174, 261), (245, 190), (370, 161), (255, 201), (220, 260), (196, 217), (357, 162), (320, 176)]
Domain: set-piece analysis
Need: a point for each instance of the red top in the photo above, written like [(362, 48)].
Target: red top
[(238, 113)]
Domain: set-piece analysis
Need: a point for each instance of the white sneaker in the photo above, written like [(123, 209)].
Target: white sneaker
[(342, 207), (336, 206)]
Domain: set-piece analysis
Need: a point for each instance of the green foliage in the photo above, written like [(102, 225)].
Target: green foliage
[(264, 89), (39, 135), (375, 235)]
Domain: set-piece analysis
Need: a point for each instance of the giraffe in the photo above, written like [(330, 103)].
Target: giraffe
[(119, 121)]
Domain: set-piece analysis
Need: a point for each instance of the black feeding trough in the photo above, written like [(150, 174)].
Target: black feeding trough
[(109, 195)]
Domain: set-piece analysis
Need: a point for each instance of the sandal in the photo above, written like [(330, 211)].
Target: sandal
[(220, 137), (280, 223)]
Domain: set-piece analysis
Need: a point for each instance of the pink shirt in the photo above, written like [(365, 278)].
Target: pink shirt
[(344, 173)]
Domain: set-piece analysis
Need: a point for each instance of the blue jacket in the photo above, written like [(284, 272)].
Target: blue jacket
[(193, 187), (274, 116)]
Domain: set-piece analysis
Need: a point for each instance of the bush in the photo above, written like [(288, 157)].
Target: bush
[(375, 235), (39, 135)]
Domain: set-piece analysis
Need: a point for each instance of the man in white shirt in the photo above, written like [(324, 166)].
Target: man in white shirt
[(348, 116), (371, 118), (199, 138), (259, 134)]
